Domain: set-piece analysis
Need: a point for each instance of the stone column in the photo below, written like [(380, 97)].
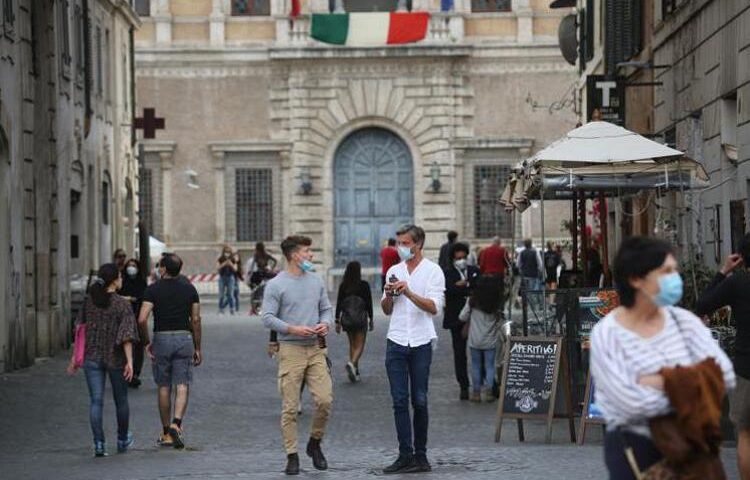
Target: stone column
[(217, 20), (220, 200), (525, 16), (166, 175)]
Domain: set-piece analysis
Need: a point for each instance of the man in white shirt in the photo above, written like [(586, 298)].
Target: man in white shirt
[(414, 294)]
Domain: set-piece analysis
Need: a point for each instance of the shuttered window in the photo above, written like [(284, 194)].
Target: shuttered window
[(9, 18), (490, 219), (143, 7), (490, 5), (251, 7), (254, 204), (623, 32)]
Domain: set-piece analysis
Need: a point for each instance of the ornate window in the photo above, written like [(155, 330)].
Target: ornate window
[(142, 7), (490, 5), (253, 198), (251, 7), (9, 18), (490, 219)]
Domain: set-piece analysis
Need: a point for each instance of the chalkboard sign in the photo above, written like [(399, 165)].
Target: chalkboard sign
[(531, 374), (530, 380)]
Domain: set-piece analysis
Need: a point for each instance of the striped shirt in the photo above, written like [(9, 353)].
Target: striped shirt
[(619, 357)]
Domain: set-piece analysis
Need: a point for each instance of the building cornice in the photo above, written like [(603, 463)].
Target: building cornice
[(248, 146), (158, 146), (493, 143)]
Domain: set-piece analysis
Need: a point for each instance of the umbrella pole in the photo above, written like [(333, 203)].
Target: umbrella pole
[(574, 232), (584, 237), (510, 298), (544, 270), (605, 237)]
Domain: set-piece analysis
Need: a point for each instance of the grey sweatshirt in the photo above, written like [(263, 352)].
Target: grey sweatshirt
[(484, 330), (296, 300)]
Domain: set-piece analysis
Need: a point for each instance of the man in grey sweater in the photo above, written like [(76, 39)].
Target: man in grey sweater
[(296, 305)]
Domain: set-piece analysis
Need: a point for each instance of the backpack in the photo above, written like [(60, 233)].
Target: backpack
[(550, 260), (353, 313)]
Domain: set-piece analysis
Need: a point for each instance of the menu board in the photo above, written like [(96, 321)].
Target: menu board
[(530, 379)]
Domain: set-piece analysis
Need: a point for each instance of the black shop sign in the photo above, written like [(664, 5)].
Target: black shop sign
[(605, 94)]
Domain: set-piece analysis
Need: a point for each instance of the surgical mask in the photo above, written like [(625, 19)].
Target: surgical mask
[(132, 271), (405, 253), (460, 264), (670, 290), (307, 266)]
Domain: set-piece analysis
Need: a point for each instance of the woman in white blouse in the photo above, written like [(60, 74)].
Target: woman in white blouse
[(634, 342)]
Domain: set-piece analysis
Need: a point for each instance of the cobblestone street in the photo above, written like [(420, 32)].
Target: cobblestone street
[(232, 422)]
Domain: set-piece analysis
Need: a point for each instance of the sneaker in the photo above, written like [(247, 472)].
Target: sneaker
[(292, 464), (476, 396), (351, 371), (419, 464), (399, 466), (487, 395), (123, 445), (100, 449), (165, 440), (135, 382), (176, 434)]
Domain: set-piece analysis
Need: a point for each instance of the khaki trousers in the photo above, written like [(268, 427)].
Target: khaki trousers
[(298, 363)]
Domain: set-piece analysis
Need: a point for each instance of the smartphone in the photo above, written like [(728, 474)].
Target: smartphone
[(393, 279)]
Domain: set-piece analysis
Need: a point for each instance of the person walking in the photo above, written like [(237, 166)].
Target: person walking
[(445, 260), (459, 279), (634, 342), (552, 260), (412, 300), (483, 313), (354, 315), (110, 334), (239, 277), (494, 259), (176, 347), (227, 270), (259, 268), (388, 258), (731, 287), (530, 267), (296, 306), (133, 287)]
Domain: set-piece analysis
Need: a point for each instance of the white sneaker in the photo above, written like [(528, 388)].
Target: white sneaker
[(351, 372)]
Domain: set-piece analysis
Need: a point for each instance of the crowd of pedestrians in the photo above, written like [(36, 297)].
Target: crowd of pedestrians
[(635, 350)]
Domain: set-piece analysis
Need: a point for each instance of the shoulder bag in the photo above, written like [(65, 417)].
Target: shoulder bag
[(79, 347)]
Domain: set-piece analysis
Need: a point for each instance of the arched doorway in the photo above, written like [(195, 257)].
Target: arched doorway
[(373, 183), (4, 248)]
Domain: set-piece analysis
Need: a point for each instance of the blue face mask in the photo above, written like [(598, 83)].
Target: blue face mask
[(307, 266), (670, 290), (405, 253)]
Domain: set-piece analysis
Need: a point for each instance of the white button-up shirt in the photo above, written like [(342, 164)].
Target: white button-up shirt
[(411, 326)]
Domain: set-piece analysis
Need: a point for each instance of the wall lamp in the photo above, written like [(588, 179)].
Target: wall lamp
[(192, 178), (305, 181), (435, 176)]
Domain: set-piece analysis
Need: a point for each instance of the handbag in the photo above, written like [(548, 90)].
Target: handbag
[(79, 347)]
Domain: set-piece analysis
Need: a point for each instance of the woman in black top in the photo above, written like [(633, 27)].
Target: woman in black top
[(133, 286), (354, 315)]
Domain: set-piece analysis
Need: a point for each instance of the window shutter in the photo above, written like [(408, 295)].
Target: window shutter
[(623, 35)]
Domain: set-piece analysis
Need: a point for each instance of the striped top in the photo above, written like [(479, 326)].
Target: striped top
[(619, 357)]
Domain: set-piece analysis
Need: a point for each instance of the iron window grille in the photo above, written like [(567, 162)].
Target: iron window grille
[(253, 201), (491, 5), (251, 7), (490, 218)]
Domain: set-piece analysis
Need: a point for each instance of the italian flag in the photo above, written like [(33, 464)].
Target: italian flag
[(369, 29)]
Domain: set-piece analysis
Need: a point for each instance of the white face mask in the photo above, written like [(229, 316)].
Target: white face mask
[(460, 264), (132, 271)]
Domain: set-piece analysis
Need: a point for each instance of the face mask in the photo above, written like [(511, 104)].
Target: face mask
[(405, 253), (307, 266), (460, 264), (132, 271), (670, 290)]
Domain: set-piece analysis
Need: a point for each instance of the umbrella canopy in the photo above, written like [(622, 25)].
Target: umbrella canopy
[(602, 142)]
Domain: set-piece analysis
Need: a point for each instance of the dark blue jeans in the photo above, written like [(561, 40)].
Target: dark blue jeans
[(615, 442), (226, 292), (96, 376), (409, 374)]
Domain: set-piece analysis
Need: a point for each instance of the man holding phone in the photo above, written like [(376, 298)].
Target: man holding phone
[(413, 296), (296, 306), (730, 287)]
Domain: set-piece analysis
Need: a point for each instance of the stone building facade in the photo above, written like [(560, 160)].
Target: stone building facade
[(268, 132), (688, 73), (67, 172)]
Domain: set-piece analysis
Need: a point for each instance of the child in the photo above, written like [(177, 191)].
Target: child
[(483, 311)]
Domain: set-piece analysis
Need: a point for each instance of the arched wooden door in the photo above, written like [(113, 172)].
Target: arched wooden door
[(373, 183)]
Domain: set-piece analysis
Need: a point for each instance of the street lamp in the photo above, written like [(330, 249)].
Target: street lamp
[(192, 176), (305, 181), (435, 176)]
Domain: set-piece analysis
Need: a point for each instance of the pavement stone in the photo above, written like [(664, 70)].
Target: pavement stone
[(232, 424)]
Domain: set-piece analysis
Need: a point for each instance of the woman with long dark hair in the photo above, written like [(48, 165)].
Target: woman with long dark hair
[(227, 270), (483, 312), (133, 285), (260, 267), (110, 334), (354, 315)]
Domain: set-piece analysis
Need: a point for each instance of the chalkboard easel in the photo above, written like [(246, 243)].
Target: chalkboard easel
[(530, 382), (588, 416)]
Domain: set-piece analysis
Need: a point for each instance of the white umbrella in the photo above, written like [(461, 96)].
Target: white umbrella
[(156, 247), (602, 142)]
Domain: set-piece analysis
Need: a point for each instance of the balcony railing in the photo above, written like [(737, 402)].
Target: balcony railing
[(445, 28)]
